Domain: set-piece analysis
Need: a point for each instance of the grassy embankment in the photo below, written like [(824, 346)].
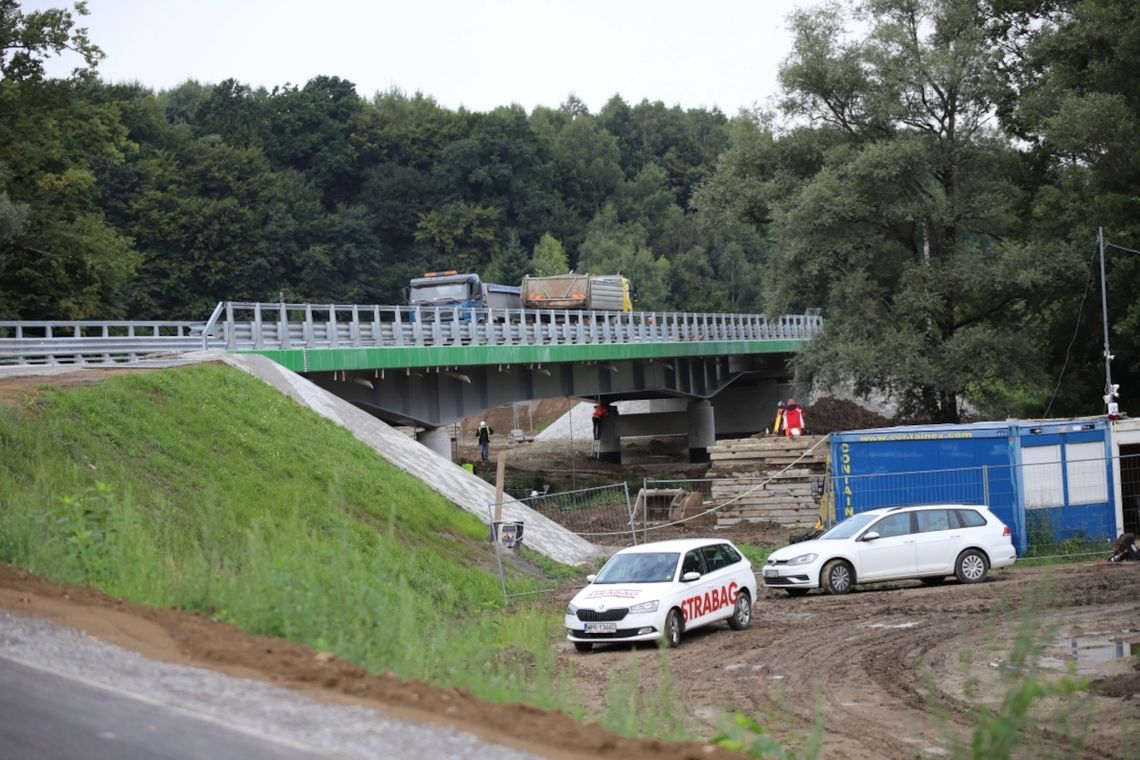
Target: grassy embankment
[(204, 489)]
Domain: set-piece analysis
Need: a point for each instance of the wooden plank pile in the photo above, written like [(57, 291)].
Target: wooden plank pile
[(770, 480)]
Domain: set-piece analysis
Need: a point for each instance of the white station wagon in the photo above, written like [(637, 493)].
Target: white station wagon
[(928, 542), (660, 590)]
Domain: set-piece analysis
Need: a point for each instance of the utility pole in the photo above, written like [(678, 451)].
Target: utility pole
[(1109, 388)]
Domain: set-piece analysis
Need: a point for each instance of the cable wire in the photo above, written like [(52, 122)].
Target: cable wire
[(1114, 245), (1069, 349)]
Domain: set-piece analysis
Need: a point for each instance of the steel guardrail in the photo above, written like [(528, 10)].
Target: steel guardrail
[(236, 326)]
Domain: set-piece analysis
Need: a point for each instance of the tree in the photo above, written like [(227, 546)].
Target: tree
[(612, 247), (1071, 97), (59, 257), (549, 259), (28, 39), (904, 219), (464, 234), (502, 164), (510, 263), (311, 129)]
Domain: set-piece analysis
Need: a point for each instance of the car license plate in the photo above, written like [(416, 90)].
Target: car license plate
[(601, 627), (770, 572)]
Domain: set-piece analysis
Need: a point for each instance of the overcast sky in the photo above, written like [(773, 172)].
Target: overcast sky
[(476, 53)]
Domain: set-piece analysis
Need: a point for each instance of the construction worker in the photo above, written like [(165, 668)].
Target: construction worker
[(778, 425), (483, 435), (793, 419), (600, 410)]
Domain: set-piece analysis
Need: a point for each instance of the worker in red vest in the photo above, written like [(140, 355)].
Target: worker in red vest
[(600, 410), (793, 419)]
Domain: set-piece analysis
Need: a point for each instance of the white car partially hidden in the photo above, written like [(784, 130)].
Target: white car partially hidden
[(929, 542), (660, 590)]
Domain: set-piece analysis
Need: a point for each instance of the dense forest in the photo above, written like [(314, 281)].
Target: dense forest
[(933, 184)]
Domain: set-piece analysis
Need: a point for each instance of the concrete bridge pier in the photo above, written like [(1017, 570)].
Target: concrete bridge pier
[(437, 439), (702, 430), (609, 442)]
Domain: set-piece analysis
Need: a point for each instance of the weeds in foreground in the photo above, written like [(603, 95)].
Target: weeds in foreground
[(635, 706), (1021, 695), (745, 733)]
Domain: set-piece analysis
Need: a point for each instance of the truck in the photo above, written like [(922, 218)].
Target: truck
[(595, 292), (449, 289)]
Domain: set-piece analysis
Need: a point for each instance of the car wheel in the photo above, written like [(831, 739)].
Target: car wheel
[(741, 612), (674, 627), (971, 566), (837, 577), (932, 581), (583, 646), (796, 591)]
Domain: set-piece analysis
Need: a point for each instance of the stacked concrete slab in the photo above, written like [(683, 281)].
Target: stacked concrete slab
[(768, 480)]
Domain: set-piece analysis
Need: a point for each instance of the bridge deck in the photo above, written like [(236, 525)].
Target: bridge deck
[(330, 336)]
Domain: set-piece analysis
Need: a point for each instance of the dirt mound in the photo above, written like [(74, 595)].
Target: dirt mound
[(833, 415)]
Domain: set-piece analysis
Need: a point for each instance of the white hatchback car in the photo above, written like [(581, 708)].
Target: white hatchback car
[(662, 589), (928, 542)]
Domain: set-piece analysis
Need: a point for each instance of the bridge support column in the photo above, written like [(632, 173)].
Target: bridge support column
[(438, 440), (702, 430), (609, 442)]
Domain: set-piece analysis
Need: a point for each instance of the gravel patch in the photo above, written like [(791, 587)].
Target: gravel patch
[(246, 705)]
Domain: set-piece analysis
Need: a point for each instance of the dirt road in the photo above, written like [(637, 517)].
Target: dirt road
[(894, 672), (901, 671)]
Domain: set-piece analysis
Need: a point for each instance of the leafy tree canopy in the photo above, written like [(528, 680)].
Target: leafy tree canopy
[(28, 39)]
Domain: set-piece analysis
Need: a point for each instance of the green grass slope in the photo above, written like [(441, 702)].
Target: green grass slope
[(204, 489)]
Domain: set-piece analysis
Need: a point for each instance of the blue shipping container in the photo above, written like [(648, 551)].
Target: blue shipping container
[(1048, 480)]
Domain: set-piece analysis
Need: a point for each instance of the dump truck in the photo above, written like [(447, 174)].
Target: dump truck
[(595, 292), (449, 289)]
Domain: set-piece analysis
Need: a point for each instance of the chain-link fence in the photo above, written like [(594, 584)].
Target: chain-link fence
[(601, 515)]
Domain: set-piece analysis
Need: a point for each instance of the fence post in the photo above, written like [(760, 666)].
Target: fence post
[(986, 484), (644, 510), (498, 550), (629, 511)]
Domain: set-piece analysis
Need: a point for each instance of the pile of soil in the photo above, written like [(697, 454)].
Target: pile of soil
[(833, 415)]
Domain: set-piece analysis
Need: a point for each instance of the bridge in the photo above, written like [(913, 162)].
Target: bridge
[(705, 374)]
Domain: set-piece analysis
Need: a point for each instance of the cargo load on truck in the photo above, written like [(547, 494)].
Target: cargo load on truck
[(450, 289), (595, 292)]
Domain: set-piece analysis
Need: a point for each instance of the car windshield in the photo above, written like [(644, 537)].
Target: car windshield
[(644, 567), (848, 527)]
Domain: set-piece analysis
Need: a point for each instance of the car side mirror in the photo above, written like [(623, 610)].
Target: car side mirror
[(870, 535), (590, 578), (690, 576)]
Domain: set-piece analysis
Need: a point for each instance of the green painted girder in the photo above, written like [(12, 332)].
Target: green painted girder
[(400, 357)]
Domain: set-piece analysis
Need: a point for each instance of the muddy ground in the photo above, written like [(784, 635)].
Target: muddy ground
[(896, 671), (899, 671)]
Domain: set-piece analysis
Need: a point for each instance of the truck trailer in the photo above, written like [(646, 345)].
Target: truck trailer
[(593, 292)]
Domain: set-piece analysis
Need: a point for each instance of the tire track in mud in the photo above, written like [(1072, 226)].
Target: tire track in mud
[(883, 670)]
